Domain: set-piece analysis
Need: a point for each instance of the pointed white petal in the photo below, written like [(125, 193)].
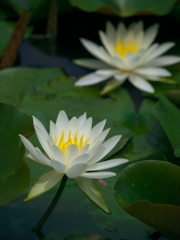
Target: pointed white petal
[(32, 150), (110, 144), (164, 61), (107, 164), (97, 129), (110, 32), (105, 148), (61, 122), (121, 77), (85, 129), (84, 149), (150, 35), (44, 183), (90, 79), (141, 83), (160, 72), (82, 159), (57, 154), (97, 175), (40, 126), (41, 157), (53, 130), (43, 139), (82, 119), (121, 31), (58, 166), (71, 129), (71, 153), (160, 50), (107, 72), (118, 63), (91, 63), (100, 138), (95, 50), (90, 189), (106, 42), (76, 170)]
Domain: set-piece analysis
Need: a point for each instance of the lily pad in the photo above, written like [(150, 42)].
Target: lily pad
[(169, 117), (126, 8), (149, 191), (14, 171)]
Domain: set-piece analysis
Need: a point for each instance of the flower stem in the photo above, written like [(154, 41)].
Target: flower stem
[(49, 210)]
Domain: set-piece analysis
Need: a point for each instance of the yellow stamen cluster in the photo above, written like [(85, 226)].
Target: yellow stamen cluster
[(123, 47), (79, 142)]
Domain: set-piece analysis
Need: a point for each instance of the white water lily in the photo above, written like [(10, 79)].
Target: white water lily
[(127, 54), (72, 148)]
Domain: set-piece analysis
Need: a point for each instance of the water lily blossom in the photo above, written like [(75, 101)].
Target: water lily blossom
[(73, 148), (127, 53)]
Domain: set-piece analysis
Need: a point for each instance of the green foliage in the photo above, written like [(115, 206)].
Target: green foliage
[(87, 236), (169, 117), (126, 8), (149, 191), (14, 171)]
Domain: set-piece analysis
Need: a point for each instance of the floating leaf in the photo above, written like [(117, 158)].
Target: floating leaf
[(14, 171), (169, 117), (149, 191), (126, 8)]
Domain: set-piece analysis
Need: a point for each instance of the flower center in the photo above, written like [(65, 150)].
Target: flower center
[(78, 141), (123, 47)]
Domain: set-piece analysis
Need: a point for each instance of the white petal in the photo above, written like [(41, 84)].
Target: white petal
[(85, 129), (44, 183), (100, 138), (72, 128), (62, 121), (105, 148), (164, 61), (57, 154), (53, 130), (90, 79), (160, 50), (110, 32), (84, 149), (32, 150), (97, 175), (82, 159), (121, 77), (121, 31), (42, 135), (58, 166), (46, 161), (97, 129), (95, 50), (106, 42), (118, 63), (160, 72), (107, 164), (90, 189), (141, 83), (76, 170), (110, 144), (107, 72), (71, 153), (91, 63), (82, 119), (150, 35)]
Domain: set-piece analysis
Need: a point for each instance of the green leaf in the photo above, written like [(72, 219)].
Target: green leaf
[(34, 6), (6, 29), (14, 171), (149, 191), (169, 117), (87, 236), (126, 8)]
